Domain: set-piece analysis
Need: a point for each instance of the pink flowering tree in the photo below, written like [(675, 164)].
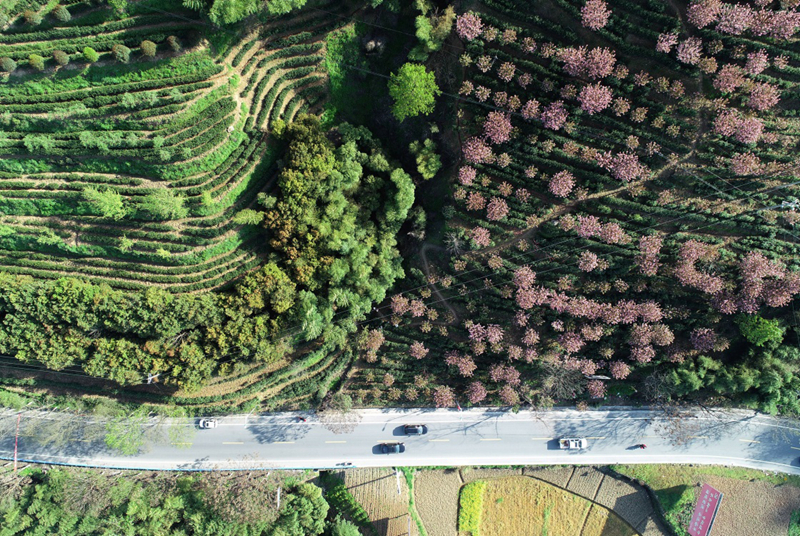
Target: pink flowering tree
[(476, 151), (444, 397), (619, 370), (649, 250), (757, 62), (476, 392), (530, 110), (729, 78), (595, 14), (690, 51), (467, 174), (497, 127), (749, 130), (554, 115), (481, 236), (497, 209), (596, 388), (599, 63), (703, 339), (666, 42), (524, 277), (763, 96), (735, 19), (469, 26), (417, 350), (561, 184), (626, 167), (506, 71), (702, 13), (588, 261), (595, 98), (744, 164)]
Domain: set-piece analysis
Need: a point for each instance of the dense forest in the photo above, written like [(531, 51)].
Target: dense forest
[(527, 202)]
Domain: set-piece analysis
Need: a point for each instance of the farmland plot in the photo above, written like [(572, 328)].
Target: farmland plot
[(376, 490), (436, 498)]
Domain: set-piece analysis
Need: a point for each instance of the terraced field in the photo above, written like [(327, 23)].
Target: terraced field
[(189, 124)]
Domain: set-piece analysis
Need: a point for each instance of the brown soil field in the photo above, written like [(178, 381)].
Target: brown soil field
[(436, 498), (547, 510), (376, 490), (754, 502)]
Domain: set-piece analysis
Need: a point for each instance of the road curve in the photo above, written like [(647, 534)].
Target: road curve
[(470, 437)]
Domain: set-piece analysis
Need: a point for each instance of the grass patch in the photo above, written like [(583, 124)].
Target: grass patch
[(409, 474), (675, 490), (343, 502), (470, 507), (794, 524), (342, 51)]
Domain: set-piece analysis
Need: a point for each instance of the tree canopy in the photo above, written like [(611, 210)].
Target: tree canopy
[(414, 91)]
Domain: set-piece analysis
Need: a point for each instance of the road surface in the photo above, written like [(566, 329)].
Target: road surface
[(471, 437)]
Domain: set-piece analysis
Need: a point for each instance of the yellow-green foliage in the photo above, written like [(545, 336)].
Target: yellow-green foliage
[(470, 507)]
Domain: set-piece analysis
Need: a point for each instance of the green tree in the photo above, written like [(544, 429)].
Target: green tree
[(148, 48), (90, 54), (342, 527), (121, 53), (248, 216), (8, 65), (304, 513), (279, 7), (414, 91), (39, 143), (61, 14), (164, 204), (61, 57), (36, 61), (32, 17), (126, 434), (108, 203), (760, 331), (428, 162)]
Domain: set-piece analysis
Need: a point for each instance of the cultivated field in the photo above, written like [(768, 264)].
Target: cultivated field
[(754, 502), (376, 491), (518, 506), (436, 497)]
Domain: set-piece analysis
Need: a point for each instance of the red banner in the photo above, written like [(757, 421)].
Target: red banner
[(706, 510)]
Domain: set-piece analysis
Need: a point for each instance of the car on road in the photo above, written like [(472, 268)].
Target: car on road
[(572, 443), (207, 424), (415, 429), (392, 448)]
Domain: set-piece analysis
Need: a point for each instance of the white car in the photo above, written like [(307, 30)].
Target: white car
[(572, 443), (206, 424)]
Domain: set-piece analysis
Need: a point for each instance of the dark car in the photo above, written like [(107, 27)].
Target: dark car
[(392, 448), (415, 429)]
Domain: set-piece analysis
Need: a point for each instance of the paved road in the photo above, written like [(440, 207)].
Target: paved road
[(473, 437)]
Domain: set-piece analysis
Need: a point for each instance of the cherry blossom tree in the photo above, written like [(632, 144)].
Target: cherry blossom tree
[(619, 370), (599, 63), (744, 164), (666, 42), (444, 397), (595, 14), (476, 151), (417, 350), (763, 96), (476, 392), (476, 201), (626, 167), (588, 261), (561, 184), (735, 19), (729, 78), (530, 110), (506, 71), (749, 130), (702, 13), (588, 226), (467, 174), (703, 339), (469, 26), (574, 60), (497, 209), (690, 51), (595, 98), (596, 388), (612, 233), (757, 62), (481, 236), (497, 127), (400, 304), (524, 277), (554, 116)]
